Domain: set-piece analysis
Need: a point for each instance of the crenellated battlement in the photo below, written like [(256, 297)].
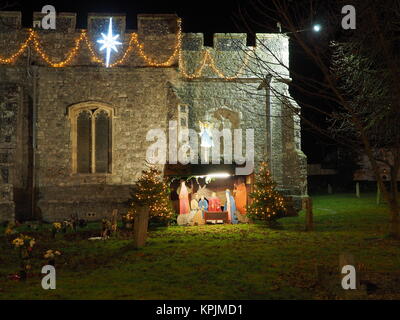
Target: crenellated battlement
[(159, 41)]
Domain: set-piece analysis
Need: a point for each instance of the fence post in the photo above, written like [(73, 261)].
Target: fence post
[(378, 193), (358, 189), (140, 227), (309, 215)]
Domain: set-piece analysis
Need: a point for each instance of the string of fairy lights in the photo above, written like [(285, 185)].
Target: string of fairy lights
[(206, 58), (268, 203)]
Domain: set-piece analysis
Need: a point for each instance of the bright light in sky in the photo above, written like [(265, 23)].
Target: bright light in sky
[(109, 43), (317, 28)]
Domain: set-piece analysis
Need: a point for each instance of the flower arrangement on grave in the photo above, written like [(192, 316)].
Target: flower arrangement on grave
[(153, 191), (50, 256), (56, 227), (25, 246), (10, 229)]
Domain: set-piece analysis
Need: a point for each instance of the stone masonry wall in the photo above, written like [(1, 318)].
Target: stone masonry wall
[(138, 97), (142, 98), (14, 149), (207, 97)]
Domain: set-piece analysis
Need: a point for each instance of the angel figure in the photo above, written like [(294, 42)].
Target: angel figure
[(206, 139)]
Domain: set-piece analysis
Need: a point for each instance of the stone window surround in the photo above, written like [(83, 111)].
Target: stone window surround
[(73, 112)]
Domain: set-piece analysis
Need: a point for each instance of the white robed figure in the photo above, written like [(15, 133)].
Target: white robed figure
[(230, 207), (206, 139)]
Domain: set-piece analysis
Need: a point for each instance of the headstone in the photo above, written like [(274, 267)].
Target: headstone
[(330, 191), (140, 227), (358, 190)]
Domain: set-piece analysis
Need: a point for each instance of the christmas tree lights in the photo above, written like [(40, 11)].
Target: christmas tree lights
[(20, 51), (268, 204), (152, 191)]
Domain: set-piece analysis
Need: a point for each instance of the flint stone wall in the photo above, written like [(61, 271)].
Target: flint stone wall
[(142, 98)]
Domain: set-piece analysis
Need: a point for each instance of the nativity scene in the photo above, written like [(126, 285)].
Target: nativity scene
[(210, 204)]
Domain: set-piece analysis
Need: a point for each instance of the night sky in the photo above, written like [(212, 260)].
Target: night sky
[(205, 16), (199, 16)]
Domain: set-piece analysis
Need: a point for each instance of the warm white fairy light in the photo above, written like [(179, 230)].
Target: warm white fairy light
[(110, 43)]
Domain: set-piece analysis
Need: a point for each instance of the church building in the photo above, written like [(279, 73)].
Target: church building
[(78, 108)]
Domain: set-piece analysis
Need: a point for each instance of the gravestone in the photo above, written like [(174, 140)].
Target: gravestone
[(358, 190), (140, 227)]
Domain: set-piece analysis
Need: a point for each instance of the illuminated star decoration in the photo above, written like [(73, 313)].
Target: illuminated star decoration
[(109, 43)]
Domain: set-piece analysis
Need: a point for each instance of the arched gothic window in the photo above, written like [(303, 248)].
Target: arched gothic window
[(91, 134)]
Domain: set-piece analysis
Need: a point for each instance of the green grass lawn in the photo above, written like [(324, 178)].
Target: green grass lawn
[(220, 262)]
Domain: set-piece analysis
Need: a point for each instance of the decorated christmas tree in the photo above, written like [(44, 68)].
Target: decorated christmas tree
[(268, 204), (151, 190)]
